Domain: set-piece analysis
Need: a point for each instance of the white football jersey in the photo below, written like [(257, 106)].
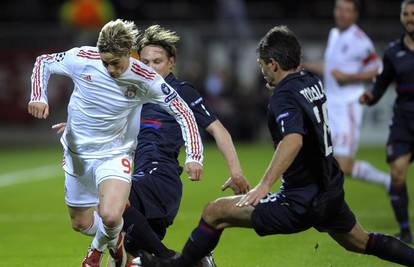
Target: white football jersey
[(350, 51), (103, 112)]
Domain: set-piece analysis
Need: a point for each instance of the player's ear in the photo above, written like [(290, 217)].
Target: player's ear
[(275, 65)]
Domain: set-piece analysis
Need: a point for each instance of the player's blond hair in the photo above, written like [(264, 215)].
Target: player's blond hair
[(159, 36), (117, 37)]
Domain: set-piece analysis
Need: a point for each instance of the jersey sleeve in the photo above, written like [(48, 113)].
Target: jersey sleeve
[(368, 55), (47, 64), (161, 93), (383, 80), (288, 114), (202, 113)]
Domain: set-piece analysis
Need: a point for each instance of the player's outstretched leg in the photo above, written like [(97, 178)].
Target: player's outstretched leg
[(385, 247)]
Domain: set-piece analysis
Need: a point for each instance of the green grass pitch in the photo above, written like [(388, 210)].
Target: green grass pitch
[(35, 229)]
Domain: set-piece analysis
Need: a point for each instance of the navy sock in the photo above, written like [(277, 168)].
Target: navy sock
[(399, 202), (202, 241), (390, 249), (139, 235)]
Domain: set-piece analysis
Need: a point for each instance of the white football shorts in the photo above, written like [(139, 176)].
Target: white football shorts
[(345, 123), (83, 176)]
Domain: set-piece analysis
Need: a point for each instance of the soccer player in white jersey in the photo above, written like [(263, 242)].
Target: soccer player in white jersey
[(350, 63), (100, 135)]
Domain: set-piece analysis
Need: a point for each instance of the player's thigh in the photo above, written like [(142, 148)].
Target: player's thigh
[(223, 213), (114, 182), (356, 240)]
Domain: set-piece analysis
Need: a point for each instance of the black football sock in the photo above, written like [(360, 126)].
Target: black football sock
[(140, 235), (390, 248), (399, 202), (202, 241)]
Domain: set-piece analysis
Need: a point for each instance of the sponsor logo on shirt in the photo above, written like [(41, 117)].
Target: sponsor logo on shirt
[(198, 101), (165, 89), (130, 92), (170, 97)]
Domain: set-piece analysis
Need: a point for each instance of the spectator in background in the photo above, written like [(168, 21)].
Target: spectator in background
[(350, 62), (398, 64)]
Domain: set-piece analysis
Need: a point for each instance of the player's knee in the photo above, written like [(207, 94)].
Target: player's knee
[(212, 213), (80, 224), (110, 218), (398, 175)]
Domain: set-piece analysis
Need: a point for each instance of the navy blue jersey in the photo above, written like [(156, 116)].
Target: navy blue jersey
[(160, 136), (398, 64), (298, 105)]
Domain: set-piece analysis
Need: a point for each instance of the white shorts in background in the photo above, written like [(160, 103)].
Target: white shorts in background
[(83, 176), (345, 123)]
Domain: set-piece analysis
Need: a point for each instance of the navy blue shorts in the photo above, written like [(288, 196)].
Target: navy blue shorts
[(401, 138), (284, 214), (157, 192)]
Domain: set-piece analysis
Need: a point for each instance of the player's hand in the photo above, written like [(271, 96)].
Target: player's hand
[(366, 98), (60, 127), (238, 183), (38, 110), (194, 170), (340, 77), (254, 196)]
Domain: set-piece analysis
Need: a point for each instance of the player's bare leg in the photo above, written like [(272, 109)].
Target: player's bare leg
[(363, 170), (113, 196), (399, 195), (385, 247), (84, 219)]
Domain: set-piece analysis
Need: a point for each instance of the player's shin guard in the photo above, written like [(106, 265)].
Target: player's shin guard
[(390, 248), (399, 202), (202, 241), (106, 236), (140, 235)]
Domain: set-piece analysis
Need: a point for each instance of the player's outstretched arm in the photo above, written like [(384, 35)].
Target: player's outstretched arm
[(45, 65), (237, 182), (286, 152)]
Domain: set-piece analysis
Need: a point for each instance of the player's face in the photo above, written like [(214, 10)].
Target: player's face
[(156, 57), (267, 72), (115, 64), (345, 14), (407, 18)]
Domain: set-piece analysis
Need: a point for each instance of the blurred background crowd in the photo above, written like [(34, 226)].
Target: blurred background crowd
[(216, 53)]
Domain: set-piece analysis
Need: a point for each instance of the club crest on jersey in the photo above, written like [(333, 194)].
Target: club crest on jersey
[(165, 89), (130, 92)]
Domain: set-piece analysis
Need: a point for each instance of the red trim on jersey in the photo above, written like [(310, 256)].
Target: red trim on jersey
[(191, 128), (152, 122), (371, 57), (143, 72), (89, 54), (37, 92)]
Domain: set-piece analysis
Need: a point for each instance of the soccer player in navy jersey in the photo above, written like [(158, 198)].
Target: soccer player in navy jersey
[(398, 64), (156, 186), (312, 193)]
